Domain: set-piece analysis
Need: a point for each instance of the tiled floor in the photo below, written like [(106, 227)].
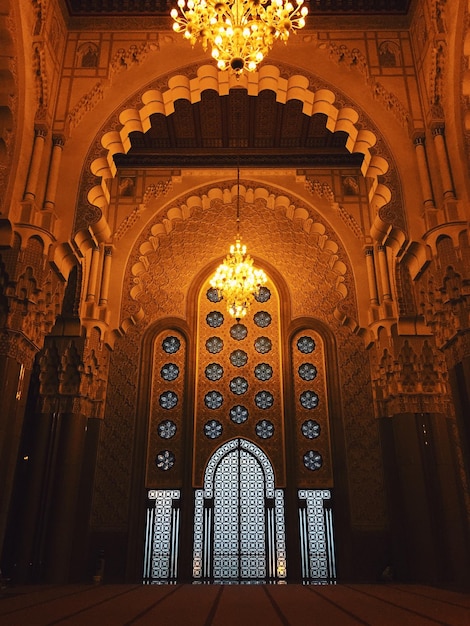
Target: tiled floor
[(237, 605)]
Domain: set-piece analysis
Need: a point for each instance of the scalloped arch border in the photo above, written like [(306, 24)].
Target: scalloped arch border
[(268, 77), (251, 195)]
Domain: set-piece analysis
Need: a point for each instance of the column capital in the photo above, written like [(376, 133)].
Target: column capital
[(438, 129), (58, 140), (40, 130)]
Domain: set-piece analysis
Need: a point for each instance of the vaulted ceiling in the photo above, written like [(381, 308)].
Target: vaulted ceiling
[(222, 130)]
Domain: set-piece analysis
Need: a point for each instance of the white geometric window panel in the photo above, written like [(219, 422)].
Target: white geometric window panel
[(265, 429), (262, 319), (214, 319), (263, 295), (238, 414), (165, 460), (213, 295), (214, 371), (238, 332), (213, 400), (311, 429), (161, 536), (238, 358), (171, 344), (170, 371), (307, 371), (214, 345), (309, 399), (213, 429), (316, 536), (168, 400), (313, 460), (167, 429), (263, 371), (305, 344), (263, 345), (238, 385), (264, 400)]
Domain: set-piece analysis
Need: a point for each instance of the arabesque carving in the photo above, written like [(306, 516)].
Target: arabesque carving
[(443, 294), (354, 59), (410, 376), (323, 190), (275, 228), (268, 77)]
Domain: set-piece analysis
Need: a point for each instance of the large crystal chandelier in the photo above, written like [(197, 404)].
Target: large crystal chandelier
[(240, 33), (236, 280)]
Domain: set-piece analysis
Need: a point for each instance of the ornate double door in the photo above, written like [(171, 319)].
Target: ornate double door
[(239, 531)]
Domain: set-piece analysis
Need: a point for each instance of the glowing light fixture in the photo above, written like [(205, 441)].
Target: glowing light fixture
[(240, 33), (236, 280)]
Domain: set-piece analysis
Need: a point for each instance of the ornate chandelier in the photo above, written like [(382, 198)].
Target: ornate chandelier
[(236, 280), (240, 33)]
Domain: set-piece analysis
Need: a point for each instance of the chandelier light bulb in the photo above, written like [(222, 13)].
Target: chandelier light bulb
[(237, 281)]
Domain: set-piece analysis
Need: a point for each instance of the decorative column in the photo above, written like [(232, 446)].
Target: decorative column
[(108, 255), (40, 134), (430, 211), (54, 169), (450, 203), (93, 277), (373, 293), (444, 168), (384, 275)]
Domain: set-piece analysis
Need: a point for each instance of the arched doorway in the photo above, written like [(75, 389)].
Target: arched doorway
[(239, 529), (232, 455)]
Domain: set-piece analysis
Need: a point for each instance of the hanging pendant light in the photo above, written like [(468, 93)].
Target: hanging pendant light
[(236, 280), (240, 33)]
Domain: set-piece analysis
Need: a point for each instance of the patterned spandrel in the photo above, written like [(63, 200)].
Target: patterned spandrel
[(214, 319), (239, 385), (213, 295), (307, 371), (238, 358), (171, 344), (305, 344), (264, 399), (238, 414), (213, 429), (238, 332), (167, 429), (263, 345), (165, 460), (264, 429), (263, 295), (214, 345), (263, 371), (309, 399), (168, 400), (262, 319), (213, 400), (311, 429), (214, 371), (313, 460)]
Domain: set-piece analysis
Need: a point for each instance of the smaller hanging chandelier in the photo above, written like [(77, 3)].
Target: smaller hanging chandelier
[(240, 33), (236, 280)]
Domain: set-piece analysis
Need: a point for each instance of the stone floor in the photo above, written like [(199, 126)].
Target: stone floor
[(237, 605)]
